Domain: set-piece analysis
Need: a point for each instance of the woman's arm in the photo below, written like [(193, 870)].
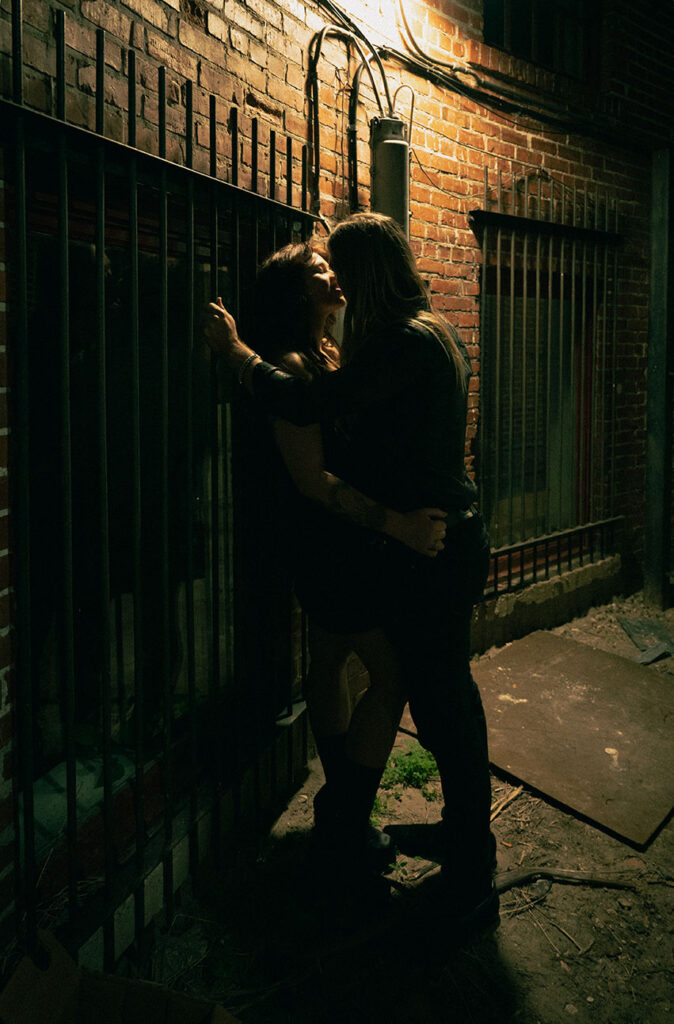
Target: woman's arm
[(302, 451), (380, 371)]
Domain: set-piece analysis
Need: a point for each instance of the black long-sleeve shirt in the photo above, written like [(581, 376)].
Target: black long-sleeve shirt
[(403, 411)]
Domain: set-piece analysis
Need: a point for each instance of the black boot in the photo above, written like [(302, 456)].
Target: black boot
[(332, 754), (342, 811)]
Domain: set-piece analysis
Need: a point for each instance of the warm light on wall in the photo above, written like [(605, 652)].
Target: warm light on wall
[(383, 16)]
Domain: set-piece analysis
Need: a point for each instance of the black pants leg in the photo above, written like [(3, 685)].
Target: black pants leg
[(433, 637)]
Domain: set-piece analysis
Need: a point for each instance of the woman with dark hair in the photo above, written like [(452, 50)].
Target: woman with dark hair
[(402, 393), (338, 583)]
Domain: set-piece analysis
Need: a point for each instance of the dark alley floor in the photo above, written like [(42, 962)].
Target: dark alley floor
[(289, 938)]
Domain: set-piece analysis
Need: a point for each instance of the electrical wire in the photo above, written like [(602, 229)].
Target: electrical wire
[(395, 94), (413, 44), (487, 95), (315, 48)]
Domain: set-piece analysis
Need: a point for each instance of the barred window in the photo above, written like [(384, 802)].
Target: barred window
[(548, 316), (559, 34)]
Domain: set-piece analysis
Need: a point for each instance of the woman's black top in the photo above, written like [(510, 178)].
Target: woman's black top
[(402, 411)]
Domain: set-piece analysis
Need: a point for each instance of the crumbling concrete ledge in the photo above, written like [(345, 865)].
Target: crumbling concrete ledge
[(498, 620)]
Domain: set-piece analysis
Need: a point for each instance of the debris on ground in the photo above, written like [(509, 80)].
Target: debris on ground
[(586, 921)]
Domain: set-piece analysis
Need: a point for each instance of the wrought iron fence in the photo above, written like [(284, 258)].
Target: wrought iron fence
[(139, 533)]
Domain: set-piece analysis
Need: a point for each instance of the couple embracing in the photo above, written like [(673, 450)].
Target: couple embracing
[(373, 432)]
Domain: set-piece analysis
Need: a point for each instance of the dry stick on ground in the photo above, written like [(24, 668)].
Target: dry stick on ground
[(514, 910), (498, 806), (508, 879), (542, 929), (581, 949)]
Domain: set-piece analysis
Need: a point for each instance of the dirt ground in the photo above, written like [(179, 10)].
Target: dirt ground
[(292, 939)]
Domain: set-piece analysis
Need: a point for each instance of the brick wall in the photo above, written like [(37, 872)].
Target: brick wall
[(254, 56)]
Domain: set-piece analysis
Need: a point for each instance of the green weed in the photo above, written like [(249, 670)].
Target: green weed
[(411, 766)]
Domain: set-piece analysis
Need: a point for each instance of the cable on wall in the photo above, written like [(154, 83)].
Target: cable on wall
[(315, 49)]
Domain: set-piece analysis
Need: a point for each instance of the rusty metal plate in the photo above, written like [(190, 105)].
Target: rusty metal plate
[(591, 730)]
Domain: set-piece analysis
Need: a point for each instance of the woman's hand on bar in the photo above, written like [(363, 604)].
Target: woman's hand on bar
[(223, 339)]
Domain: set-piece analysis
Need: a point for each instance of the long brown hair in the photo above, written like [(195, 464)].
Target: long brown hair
[(378, 273), (283, 315)]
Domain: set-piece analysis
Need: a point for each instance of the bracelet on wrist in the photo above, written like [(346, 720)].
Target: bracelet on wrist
[(244, 366)]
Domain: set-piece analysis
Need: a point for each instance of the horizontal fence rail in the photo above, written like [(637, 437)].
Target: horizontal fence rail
[(519, 565), (141, 537)]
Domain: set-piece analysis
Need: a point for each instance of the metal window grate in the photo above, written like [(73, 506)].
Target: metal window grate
[(548, 360), (563, 35)]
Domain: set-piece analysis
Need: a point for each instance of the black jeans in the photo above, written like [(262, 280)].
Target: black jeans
[(431, 631)]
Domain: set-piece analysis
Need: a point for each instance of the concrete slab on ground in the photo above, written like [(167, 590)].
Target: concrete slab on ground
[(589, 729)]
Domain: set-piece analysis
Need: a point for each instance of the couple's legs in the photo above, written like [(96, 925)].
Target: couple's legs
[(367, 730), (353, 743)]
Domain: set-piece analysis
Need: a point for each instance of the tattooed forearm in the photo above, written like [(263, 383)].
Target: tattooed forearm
[(349, 503)]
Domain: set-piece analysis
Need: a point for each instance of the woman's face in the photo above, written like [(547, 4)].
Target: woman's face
[(322, 287)]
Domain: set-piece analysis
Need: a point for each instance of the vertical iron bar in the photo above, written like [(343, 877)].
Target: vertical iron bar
[(61, 65), (122, 705), (525, 390), (138, 637), (215, 476), (578, 517), (253, 155), (548, 381), (26, 868), (583, 369), (189, 124), (614, 357), (537, 361), (511, 365), (604, 510), (131, 71), (228, 540), (213, 138), (497, 374), (272, 165), (561, 406), (482, 436), (165, 660), (190, 327), (234, 123), (67, 604), (103, 552), (304, 178), (289, 172), (162, 111), (100, 81), (596, 429), (228, 499), (17, 51)]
